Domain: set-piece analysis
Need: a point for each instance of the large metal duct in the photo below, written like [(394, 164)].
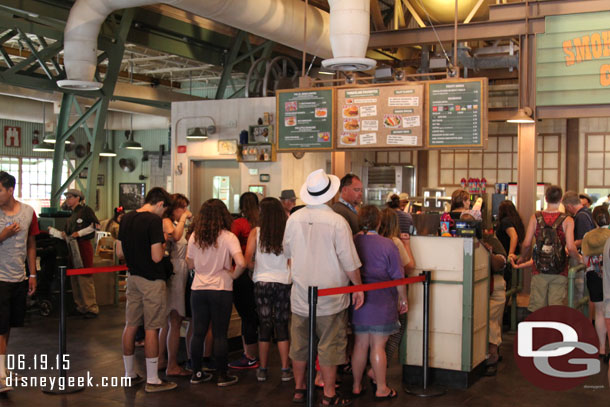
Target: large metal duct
[(277, 20), (443, 11)]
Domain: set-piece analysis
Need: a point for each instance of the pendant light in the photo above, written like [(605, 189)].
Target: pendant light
[(107, 151), (130, 143), (45, 146), (522, 116)]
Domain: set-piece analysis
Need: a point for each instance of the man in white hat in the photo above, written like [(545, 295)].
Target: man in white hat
[(320, 245)]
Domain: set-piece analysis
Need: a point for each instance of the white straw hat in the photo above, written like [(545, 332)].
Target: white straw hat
[(319, 188)]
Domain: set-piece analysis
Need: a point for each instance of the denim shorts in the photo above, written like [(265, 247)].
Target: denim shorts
[(387, 329)]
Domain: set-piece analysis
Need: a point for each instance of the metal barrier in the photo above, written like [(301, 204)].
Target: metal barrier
[(584, 301), (314, 293), (516, 287)]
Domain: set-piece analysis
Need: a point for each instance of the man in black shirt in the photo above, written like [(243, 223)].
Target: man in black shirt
[(140, 243)]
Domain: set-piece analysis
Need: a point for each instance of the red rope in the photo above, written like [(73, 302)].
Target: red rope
[(93, 270), (368, 287)]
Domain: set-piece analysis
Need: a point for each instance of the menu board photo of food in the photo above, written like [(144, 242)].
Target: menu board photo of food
[(380, 116)]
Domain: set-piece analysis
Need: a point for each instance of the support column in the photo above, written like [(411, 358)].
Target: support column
[(341, 163), (422, 171), (527, 171), (572, 155)]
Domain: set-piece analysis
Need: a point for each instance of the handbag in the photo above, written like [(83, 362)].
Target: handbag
[(168, 267)]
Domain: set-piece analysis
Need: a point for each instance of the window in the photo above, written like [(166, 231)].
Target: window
[(33, 176), (597, 160), (498, 163)]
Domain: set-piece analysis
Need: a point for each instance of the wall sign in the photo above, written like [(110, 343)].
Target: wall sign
[(573, 60), (457, 113), (380, 116), (12, 136), (304, 119)]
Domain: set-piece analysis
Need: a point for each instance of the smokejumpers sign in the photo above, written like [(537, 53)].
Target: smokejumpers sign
[(573, 60)]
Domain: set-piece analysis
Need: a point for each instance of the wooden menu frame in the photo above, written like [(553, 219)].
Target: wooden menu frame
[(380, 116)]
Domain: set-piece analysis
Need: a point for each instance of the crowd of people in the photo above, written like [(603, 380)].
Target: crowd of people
[(199, 265)]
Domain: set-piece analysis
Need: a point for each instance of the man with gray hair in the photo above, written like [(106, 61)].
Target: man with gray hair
[(583, 222)]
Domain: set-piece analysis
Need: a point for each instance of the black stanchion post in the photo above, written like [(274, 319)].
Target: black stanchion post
[(64, 388), (312, 296), (426, 390)]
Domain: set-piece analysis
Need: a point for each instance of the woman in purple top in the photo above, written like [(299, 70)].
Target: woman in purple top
[(377, 319)]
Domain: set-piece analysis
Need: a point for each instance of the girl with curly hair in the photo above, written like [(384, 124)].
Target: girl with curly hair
[(211, 247), (272, 282)]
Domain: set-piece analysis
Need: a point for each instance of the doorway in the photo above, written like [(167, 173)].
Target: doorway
[(219, 179)]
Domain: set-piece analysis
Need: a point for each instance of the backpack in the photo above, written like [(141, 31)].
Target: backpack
[(549, 253)]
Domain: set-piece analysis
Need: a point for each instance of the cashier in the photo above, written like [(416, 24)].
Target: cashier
[(460, 202), (81, 226)]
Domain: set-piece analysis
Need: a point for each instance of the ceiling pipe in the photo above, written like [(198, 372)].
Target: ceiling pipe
[(272, 19)]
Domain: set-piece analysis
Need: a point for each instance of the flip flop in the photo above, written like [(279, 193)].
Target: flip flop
[(392, 394)]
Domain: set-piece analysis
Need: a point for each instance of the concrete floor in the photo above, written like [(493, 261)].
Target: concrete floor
[(95, 346)]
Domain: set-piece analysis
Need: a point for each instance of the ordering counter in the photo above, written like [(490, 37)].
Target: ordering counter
[(459, 311)]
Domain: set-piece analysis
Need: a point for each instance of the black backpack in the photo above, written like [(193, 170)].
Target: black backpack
[(549, 253)]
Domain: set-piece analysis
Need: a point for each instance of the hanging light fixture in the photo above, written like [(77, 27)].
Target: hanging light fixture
[(45, 146), (107, 151), (130, 143), (197, 133), (522, 116)]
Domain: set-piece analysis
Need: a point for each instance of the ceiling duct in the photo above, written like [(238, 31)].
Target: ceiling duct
[(272, 19), (349, 35)]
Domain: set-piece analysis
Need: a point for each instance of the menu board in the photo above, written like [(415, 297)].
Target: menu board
[(457, 113), (380, 117), (305, 119)]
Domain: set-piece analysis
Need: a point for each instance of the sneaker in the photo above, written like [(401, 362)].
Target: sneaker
[(287, 375), (200, 377), (3, 386), (137, 379), (261, 374), (225, 380), (163, 386), (244, 363)]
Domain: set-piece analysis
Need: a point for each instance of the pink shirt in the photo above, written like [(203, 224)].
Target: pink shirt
[(213, 264)]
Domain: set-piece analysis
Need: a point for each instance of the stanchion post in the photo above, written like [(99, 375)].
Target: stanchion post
[(62, 339), (312, 297), (426, 390)]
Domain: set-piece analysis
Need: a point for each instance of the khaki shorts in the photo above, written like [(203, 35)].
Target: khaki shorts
[(547, 289), (331, 332), (145, 303)]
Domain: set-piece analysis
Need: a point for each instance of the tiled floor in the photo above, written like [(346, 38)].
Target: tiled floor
[(94, 346)]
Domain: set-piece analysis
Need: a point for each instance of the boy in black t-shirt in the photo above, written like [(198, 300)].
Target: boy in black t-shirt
[(140, 243)]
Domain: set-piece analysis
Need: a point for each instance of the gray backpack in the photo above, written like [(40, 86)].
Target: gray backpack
[(549, 253)]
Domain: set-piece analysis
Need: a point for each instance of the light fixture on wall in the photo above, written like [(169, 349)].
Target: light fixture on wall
[(106, 150), (523, 115), (197, 133), (130, 143)]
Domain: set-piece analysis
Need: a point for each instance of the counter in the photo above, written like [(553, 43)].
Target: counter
[(459, 311)]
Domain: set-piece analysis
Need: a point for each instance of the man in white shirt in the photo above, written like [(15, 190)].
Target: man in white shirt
[(320, 245)]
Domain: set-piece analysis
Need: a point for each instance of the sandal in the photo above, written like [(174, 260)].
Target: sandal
[(335, 401), (302, 393), (392, 394)]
